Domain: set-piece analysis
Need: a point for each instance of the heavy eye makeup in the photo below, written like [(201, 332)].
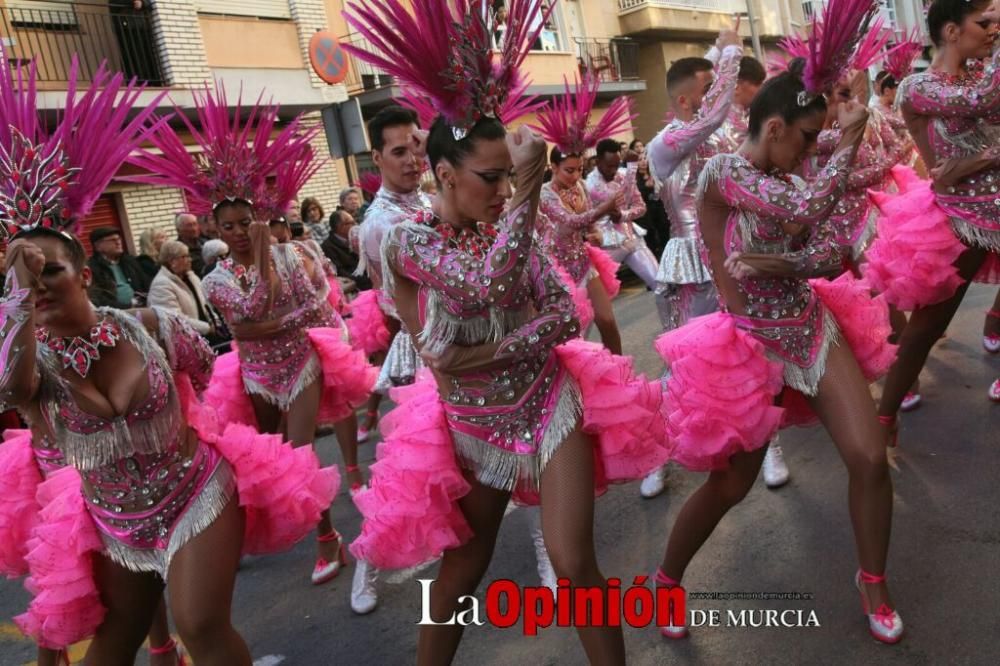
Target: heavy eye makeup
[(50, 270), (491, 176)]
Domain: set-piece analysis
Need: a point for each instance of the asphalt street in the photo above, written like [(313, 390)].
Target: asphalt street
[(942, 566)]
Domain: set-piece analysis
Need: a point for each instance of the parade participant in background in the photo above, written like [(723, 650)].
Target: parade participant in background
[(295, 367), (781, 333), (500, 412), (621, 238), (934, 238), (569, 209), (701, 102), (151, 490)]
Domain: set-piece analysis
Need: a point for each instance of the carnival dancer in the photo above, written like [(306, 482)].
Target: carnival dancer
[(898, 65), (781, 334), (291, 361), (935, 238), (750, 78), (570, 210), (701, 103), (154, 491), (500, 411)]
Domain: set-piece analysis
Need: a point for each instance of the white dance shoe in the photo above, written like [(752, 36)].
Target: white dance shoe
[(364, 595), (775, 469), (654, 484)]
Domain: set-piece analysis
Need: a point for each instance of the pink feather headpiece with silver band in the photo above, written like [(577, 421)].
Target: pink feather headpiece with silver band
[(566, 120), (236, 157), (441, 51), (832, 41), (899, 61), (52, 180)]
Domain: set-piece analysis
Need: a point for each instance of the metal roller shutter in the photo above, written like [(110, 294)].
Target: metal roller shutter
[(262, 8), (104, 214)]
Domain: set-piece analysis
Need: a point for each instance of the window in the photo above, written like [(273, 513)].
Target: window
[(551, 38), (41, 14), (278, 9)]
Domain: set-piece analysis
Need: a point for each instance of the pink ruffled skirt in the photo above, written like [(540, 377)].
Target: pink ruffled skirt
[(724, 389), (367, 325)]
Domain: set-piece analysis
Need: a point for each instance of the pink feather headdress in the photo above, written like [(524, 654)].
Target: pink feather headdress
[(871, 48), (832, 42), (899, 61), (370, 182), (566, 121), (52, 180), (441, 51), (236, 156)]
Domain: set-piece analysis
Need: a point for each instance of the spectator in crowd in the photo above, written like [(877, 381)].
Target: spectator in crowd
[(213, 251), (340, 252), (351, 200), (177, 288), (655, 220), (637, 147), (281, 233), (189, 233), (118, 279), (313, 217), (208, 228), (150, 242), (429, 187)]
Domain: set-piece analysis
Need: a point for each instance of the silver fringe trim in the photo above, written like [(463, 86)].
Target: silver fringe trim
[(504, 470), (310, 373), (807, 380), (87, 452), (201, 513), (401, 364), (442, 329), (975, 236), (866, 237)]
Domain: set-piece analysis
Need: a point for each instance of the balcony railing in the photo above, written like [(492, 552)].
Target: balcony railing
[(52, 32), (361, 76), (703, 5), (608, 59)]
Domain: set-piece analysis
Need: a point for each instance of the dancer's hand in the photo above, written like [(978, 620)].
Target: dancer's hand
[(26, 259), (730, 37), (260, 234), (851, 114), (526, 148), (739, 270), (419, 144)]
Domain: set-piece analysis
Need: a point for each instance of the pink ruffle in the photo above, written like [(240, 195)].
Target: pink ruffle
[(606, 268), (621, 409), (348, 378), (366, 324), (19, 480), (282, 489), (990, 271), (335, 296), (581, 299), (66, 607), (226, 393), (411, 512), (911, 260), (720, 394), (863, 321)]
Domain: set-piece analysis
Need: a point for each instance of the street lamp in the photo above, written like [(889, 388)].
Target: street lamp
[(754, 35)]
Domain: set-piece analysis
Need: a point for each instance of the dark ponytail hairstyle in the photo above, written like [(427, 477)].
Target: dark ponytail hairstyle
[(557, 157), (885, 81), (943, 12), (779, 96), (71, 244), (442, 144)]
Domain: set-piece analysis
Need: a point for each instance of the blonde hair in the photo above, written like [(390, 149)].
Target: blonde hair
[(171, 250), (146, 242)]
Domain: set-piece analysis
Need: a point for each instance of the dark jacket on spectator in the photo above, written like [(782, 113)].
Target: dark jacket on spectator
[(346, 261), (102, 290)]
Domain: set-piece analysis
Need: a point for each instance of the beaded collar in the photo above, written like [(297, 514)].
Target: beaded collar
[(475, 242)]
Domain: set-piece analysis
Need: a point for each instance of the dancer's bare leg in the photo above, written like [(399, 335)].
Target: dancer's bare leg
[(604, 316), (159, 636), (130, 599), (567, 492), (924, 328), (461, 571), (991, 324), (201, 580), (846, 409)]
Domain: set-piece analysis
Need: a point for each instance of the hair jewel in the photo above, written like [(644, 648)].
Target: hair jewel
[(52, 179), (566, 120), (441, 54)]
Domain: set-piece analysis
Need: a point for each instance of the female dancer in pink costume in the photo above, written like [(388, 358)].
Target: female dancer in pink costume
[(567, 210), (780, 334), (296, 368), (152, 491), (935, 239), (501, 411)]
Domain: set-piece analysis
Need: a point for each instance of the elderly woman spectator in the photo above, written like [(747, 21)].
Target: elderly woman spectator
[(212, 251), (342, 253), (177, 288), (312, 215), (351, 200), (150, 242)]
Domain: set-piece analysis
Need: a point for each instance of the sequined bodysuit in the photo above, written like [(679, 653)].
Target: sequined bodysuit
[(150, 484), (506, 422), (951, 118), (278, 367), (783, 312), (565, 216)]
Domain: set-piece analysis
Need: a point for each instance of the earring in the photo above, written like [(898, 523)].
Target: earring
[(451, 186)]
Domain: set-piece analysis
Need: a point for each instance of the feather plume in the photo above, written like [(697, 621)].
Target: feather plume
[(899, 61), (370, 182), (871, 48), (566, 121), (832, 42), (440, 50)]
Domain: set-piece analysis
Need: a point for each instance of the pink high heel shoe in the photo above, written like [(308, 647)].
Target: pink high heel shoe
[(884, 624), (991, 342), (670, 631), (327, 571)]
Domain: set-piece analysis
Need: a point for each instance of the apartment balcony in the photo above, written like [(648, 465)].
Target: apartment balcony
[(53, 32), (678, 19)]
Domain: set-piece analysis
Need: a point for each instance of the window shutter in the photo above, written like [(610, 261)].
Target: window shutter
[(262, 8)]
